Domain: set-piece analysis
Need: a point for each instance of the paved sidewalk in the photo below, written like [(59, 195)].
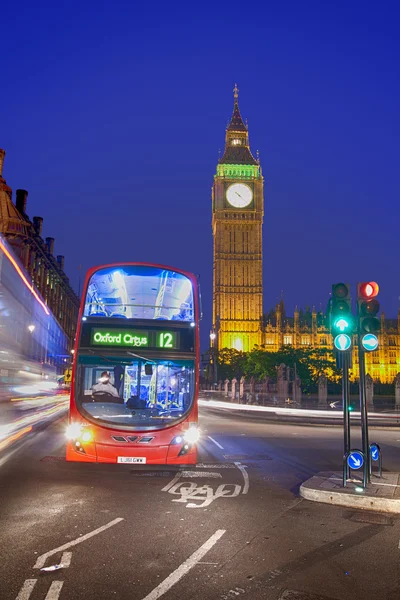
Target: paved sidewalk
[(382, 494)]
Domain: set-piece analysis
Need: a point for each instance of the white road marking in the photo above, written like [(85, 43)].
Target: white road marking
[(26, 590), (216, 466), (66, 559), (185, 567), (215, 442), (54, 591), (245, 477), (399, 545), (42, 559), (200, 474), (171, 483)]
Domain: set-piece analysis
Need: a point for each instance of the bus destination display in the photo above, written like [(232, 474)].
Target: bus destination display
[(130, 338)]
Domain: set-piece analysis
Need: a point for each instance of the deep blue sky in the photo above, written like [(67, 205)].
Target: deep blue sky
[(112, 115)]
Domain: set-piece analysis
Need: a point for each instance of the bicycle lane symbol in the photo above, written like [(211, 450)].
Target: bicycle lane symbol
[(200, 496)]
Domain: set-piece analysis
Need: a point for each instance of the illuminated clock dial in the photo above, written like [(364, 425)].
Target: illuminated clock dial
[(239, 195)]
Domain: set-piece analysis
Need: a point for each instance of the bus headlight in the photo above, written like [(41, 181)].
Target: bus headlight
[(192, 435), (73, 431), (87, 436), (178, 439)]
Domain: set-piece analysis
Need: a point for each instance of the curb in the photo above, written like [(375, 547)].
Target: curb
[(349, 499)]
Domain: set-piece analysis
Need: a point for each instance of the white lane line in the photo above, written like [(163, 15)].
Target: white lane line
[(185, 567), (42, 559), (200, 474), (245, 477), (66, 559), (54, 591), (216, 466), (26, 590), (215, 442), (173, 482)]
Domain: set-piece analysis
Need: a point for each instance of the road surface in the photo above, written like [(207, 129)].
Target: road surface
[(232, 527)]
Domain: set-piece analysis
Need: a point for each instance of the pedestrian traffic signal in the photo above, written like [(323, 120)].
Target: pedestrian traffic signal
[(342, 321), (367, 308)]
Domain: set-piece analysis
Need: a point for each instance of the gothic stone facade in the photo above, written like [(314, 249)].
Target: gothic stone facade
[(36, 255), (237, 217), (310, 329)]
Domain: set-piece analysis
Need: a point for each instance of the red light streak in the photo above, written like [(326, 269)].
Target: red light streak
[(24, 279)]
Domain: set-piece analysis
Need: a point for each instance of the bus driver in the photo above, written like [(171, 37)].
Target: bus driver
[(104, 386)]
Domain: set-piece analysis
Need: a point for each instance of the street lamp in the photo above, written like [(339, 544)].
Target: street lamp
[(31, 328), (213, 353)]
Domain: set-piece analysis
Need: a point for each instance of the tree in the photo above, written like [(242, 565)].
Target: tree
[(230, 363), (260, 364)]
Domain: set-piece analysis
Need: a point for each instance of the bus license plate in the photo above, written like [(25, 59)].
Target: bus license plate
[(132, 459)]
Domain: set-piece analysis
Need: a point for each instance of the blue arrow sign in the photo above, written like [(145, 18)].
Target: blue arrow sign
[(374, 449), (355, 459), (370, 342)]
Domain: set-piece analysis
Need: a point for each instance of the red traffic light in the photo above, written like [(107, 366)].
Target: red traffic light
[(368, 290)]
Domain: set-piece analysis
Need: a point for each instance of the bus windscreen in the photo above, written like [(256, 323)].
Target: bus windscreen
[(134, 393)]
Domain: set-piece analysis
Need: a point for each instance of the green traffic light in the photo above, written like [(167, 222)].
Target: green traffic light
[(343, 324)]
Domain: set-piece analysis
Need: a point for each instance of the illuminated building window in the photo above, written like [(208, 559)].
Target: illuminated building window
[(324, 341), (287, 340), (269, 341), (236, 142), (305, 340), (238, 344)]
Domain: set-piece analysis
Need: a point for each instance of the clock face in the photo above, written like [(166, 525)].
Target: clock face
[(239, 195)]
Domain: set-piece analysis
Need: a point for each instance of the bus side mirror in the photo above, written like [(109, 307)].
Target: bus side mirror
[(148, 369)]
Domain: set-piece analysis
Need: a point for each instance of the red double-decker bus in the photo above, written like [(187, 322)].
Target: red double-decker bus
[(135, 375)]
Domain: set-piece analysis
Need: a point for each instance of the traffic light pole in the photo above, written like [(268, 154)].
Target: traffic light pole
[(346, 402), (363, 408), (345, 360)]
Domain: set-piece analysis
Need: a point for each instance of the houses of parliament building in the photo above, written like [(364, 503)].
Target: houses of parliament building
[(238, 319)]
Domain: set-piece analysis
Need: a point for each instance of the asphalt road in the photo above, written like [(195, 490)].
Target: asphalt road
[(233, 527)]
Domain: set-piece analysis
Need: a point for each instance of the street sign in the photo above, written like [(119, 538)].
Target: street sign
[(342, 342), (370, 342), (355, 459), (374, 449), (67, 376)]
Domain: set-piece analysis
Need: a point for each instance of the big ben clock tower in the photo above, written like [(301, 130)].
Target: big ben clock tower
[(238, 210)]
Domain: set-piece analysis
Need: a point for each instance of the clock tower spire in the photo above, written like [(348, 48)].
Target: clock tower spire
[(238, 210)]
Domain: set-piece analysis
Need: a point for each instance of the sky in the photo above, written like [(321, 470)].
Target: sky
[(112, 116)]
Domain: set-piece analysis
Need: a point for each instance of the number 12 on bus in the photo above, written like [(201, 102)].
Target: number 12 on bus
[(135, 376)]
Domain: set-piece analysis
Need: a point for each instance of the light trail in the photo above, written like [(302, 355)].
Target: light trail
[(18, 428), (296, 412)]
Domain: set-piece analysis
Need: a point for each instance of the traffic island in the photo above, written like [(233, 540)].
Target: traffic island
[(382, 494)]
